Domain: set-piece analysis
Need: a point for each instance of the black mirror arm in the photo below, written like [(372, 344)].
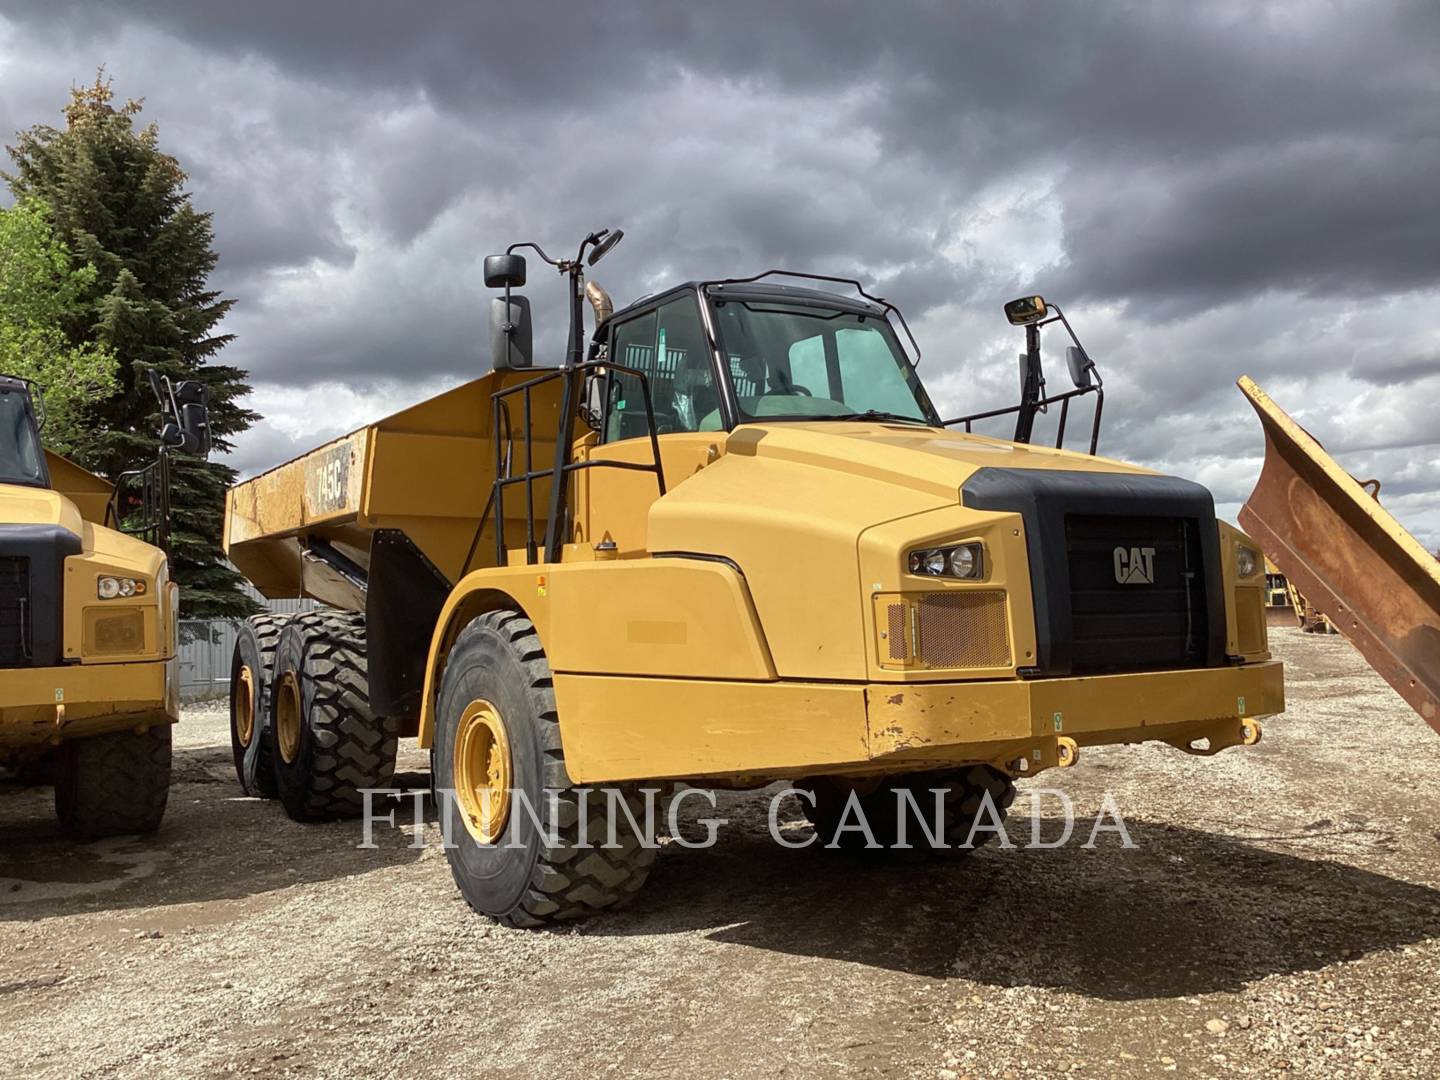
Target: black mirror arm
[(536, 248)]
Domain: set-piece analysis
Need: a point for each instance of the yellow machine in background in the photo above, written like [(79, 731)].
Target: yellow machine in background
[(730, 543), (1284, 606), (87, 626)]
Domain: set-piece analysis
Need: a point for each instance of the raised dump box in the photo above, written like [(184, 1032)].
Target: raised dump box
[(1350, 558)]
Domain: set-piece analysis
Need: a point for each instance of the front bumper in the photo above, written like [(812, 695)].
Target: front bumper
[(625, 728), (999, 721), (49, 704)]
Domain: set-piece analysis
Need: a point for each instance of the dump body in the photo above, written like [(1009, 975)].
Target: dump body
[(427, 471), (1348, 556)]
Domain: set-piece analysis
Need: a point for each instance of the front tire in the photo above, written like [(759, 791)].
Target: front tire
[(329, 746), (252, 671), (115, 784), (497, 731)]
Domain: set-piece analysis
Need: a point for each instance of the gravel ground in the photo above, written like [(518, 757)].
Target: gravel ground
[(1280, 913)]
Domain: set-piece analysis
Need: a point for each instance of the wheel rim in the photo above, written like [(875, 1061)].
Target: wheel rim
[(482, 771), (245, 706), (287, 717)]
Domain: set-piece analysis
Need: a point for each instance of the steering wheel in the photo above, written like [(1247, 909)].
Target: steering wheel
[(783, 383)]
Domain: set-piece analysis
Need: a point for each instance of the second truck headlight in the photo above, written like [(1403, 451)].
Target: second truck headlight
[(965, 561), (1247, 560), (110, 588)]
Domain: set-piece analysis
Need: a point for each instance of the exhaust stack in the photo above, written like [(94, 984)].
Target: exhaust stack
[(600, 301)]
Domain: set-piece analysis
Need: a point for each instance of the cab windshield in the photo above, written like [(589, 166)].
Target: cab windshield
[(798, 362), (20, 457)]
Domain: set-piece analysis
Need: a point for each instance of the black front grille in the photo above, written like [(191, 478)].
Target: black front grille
[(1137, 593), (1087, 622), (14, 610), (32, 582)]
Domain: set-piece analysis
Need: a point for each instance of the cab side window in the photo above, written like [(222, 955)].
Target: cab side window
[(668, 345)]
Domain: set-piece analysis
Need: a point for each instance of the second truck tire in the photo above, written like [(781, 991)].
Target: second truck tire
[(114, 784), (252, 671), (328, 744)]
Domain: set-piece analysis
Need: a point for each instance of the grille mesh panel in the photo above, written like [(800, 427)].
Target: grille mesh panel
[(14, 609), (897, 616), (1250, 620), (963, 630)]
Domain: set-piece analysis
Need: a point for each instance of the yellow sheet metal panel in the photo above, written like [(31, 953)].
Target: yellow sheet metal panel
[(662, 617), (1244, 600), (1348, 556), (633, 728), (617, 728), (21, 505), (89, 493), (39, 704), (1092, 706), (323, 485), (885, 572), (792, 530), (614, 504), (657, 617)]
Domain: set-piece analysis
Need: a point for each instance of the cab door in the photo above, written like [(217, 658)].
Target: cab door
[(668, 343)]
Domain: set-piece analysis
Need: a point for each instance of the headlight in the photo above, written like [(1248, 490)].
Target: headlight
[(108, 588), (965, 561), (1247, 560)]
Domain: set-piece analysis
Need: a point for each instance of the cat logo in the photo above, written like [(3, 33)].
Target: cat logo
[(1135, 566)]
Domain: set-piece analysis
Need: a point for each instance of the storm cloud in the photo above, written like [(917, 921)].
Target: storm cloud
[(1208, 189)]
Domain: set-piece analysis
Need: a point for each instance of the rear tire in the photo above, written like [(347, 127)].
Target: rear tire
[(113, 785), (252, 670), (328, 744), (961, 806), (524, 876)]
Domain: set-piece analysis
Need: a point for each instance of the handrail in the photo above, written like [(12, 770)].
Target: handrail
[(505, 458), (1042, 405)]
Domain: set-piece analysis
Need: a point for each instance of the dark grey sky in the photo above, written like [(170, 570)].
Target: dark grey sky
[(1209, 189)]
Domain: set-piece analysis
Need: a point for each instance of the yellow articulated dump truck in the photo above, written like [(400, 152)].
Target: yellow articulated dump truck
[(88, 688), (728, 541)]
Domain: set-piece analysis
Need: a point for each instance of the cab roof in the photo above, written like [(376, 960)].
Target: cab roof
[(754, 290)]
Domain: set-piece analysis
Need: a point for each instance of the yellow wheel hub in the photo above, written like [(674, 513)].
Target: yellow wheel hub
[(245, 706), (482, 771), (288, 716)]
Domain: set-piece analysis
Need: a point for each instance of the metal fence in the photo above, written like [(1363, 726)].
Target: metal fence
[(207, 646)]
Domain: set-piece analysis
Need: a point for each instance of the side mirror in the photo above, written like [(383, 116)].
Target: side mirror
[(195, 428), (510, 331), (192, 392), (504, 271), (603, 247), (1026, 310), (1080, 366)]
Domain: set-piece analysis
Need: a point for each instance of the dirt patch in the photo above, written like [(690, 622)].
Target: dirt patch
[(1279, 912)]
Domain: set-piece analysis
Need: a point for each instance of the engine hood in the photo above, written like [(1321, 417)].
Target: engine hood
[(20, 505), (931, 460)]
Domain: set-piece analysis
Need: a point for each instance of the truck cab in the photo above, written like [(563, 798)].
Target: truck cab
[(88, 619)]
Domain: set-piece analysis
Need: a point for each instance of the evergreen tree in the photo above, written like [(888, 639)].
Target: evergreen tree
[(119, 202)]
